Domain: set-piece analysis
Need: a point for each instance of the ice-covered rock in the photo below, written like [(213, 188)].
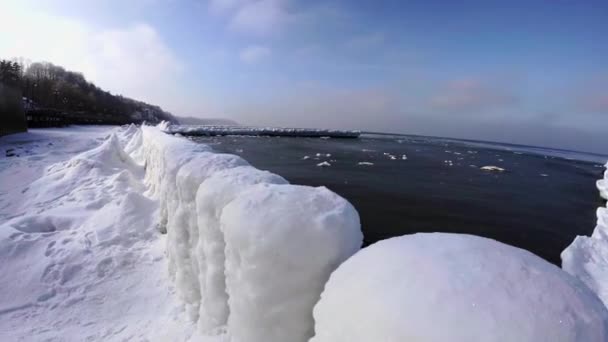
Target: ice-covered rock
[(282, 243), (602, 185), (587, 257), (458, 288)]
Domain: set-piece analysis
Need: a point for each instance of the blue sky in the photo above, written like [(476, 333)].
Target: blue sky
[(531, 72)]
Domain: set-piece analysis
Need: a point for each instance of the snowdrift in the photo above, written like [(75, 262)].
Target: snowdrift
[(249, 253), (450, 287), (587, 257)]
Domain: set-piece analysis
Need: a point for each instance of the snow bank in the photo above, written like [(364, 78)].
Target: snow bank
[(587, 257), (459, 288), (238, 238), (278, 261)]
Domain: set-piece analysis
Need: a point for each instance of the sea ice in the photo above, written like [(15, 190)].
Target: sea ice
[(492, 168)]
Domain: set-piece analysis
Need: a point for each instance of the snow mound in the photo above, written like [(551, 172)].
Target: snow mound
[(587, 257), (277, 262), (458, 288)]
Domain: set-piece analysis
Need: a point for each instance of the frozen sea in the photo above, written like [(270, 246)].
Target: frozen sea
[(408, 184)]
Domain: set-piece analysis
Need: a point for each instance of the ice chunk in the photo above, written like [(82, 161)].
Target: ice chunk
[(282, 243), (457, 288), (324, 164), (587, 257), (365, 163), (602, 185), (492, 168)]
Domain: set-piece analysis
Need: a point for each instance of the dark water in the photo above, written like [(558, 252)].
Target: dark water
[(539, 203)]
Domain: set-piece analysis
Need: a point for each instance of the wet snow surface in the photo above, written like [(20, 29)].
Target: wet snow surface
[(540, 201)]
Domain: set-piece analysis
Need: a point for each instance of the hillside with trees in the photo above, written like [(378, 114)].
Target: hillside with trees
[(53, 94), (12, 117)]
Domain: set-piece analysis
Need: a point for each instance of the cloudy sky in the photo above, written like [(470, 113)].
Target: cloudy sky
[(520, 71)]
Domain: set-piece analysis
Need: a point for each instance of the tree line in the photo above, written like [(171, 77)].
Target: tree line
[(46, 86)]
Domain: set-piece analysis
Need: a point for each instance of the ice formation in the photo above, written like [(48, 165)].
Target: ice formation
[(587, 257), (277, 265), (212, 196), (448, 287), (210, 203)]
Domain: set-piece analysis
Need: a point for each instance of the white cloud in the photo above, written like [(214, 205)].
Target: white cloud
[(132, 60), (261, 17), (254, 54)]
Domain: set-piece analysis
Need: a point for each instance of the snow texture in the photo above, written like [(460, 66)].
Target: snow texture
[(447, 287), (587, 257), (80, 259)]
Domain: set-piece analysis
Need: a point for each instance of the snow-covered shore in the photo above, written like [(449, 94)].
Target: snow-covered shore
[(82, 255), (249, 256), (80, 258)]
